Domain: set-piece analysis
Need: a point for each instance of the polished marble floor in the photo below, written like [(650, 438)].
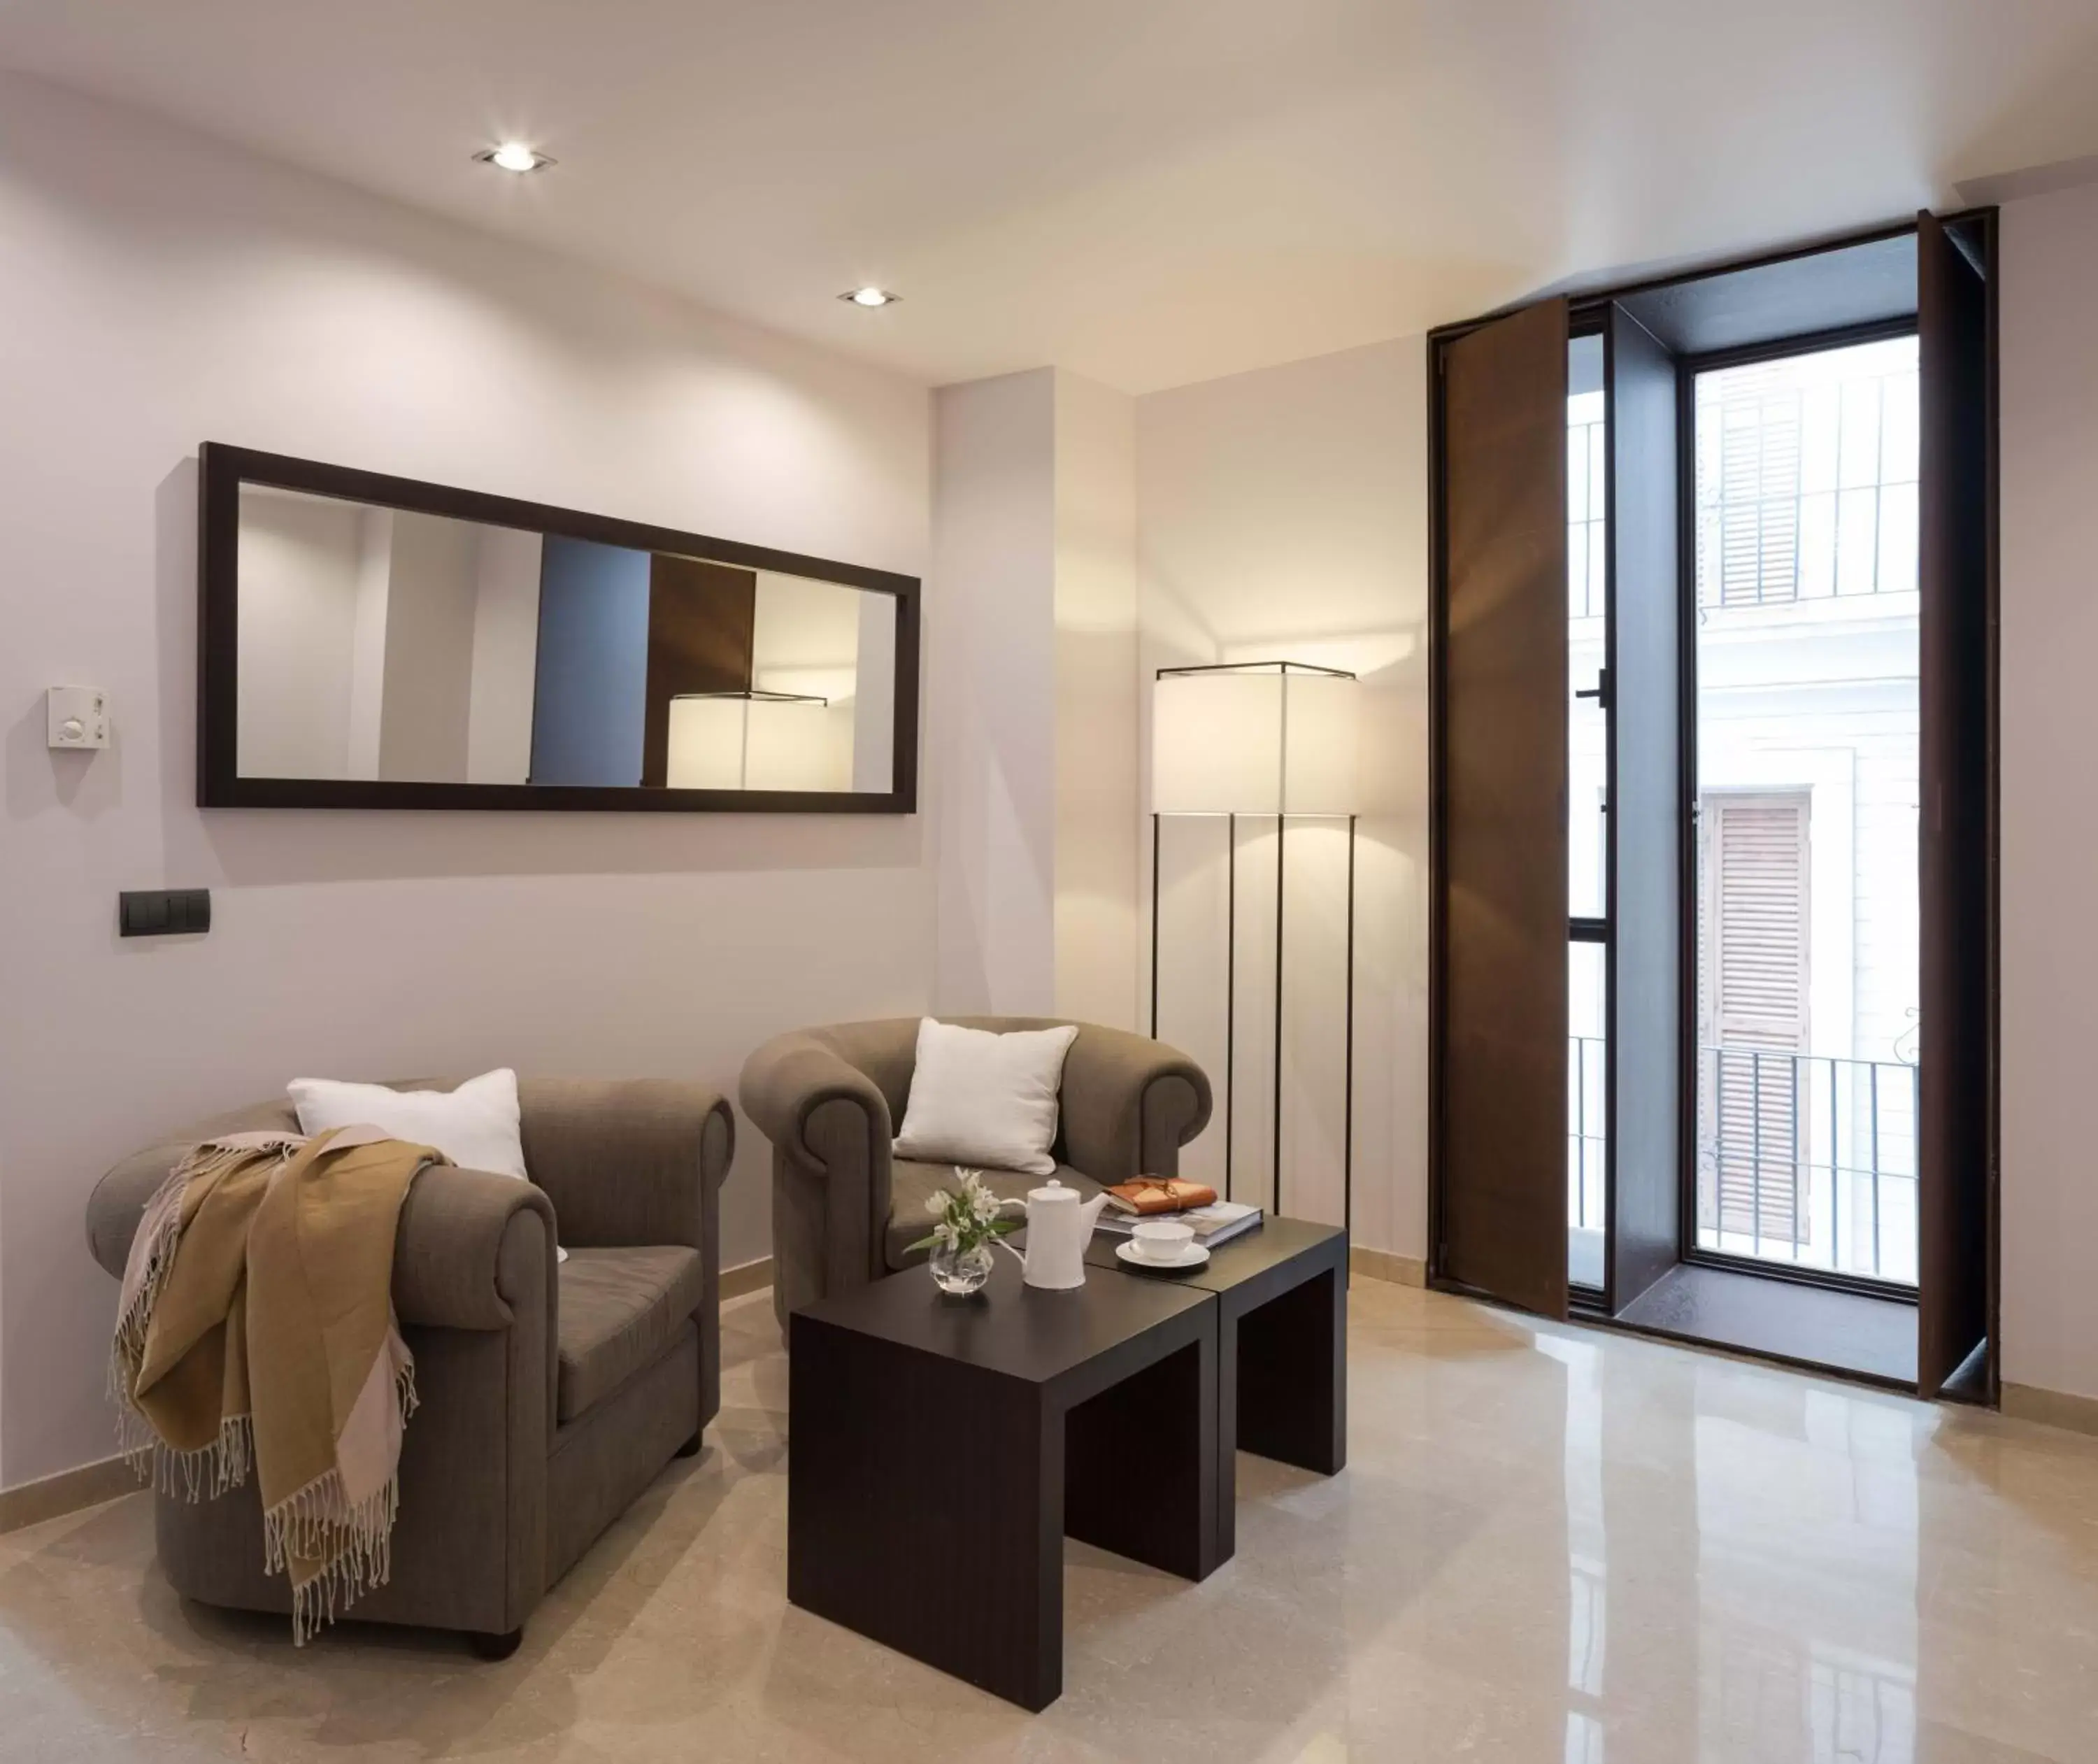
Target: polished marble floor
[(1550, 1546)]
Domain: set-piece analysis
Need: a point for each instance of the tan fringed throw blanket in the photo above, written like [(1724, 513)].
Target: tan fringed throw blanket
[(257, 1323)]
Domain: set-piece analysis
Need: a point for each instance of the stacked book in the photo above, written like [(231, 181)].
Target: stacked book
[(1159, 1197)]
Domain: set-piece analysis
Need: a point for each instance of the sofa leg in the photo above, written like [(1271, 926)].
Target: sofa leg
[(495, 1646), (691, 1448)]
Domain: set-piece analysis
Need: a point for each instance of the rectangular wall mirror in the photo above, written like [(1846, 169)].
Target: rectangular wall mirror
[(372, 642)]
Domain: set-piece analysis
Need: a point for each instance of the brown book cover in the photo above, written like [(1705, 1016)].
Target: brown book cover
[(1159, 1194)]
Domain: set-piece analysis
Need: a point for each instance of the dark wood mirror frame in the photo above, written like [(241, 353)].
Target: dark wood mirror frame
[(222, 472)]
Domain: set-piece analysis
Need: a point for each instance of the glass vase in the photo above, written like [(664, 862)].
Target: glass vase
[(961, 1271)]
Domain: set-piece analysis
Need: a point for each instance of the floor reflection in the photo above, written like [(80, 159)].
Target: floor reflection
[(1551, 1546)]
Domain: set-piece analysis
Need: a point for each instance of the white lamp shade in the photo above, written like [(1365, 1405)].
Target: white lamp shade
[(794, 746), (1216, 743), (1322, 744), (705, 744), (1254, 743)]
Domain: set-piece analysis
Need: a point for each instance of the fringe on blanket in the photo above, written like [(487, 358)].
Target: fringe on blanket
[(204, 1474), (353, 1545), (209, 1470)]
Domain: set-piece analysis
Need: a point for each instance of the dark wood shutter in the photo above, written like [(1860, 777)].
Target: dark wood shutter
[(1499, 1081), (701, 619), (1647, 795), (1956, 1045)]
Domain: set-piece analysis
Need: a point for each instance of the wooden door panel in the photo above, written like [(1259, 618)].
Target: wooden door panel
[(701, 618), (1646, 798), (1501, 1098), (1954, 1155)]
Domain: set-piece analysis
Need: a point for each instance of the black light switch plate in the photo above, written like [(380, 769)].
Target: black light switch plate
[(163, 912)]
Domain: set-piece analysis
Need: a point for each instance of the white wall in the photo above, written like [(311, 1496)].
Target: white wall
[(157, 291), (430, 597), (1096, 688), (2050, 814), (368, 661), (993, 577), (299, 569), (1282, 516), (805, 639), (874, 702), (1034, 527), (506, 654)]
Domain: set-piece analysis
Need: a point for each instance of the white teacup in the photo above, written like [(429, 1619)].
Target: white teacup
[(1162, 1239)]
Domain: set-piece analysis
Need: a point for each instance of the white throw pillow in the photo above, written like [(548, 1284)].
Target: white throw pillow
[(983, 1100), (476, 1125)]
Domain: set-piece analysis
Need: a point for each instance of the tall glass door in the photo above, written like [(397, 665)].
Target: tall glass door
[(1808, 740), (1587, 812)]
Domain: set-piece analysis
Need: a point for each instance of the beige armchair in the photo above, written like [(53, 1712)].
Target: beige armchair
[(844, 1207), (551, 1394)]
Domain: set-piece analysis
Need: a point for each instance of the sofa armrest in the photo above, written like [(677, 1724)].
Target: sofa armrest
[(458, 1252), (830, 1128), (454, 1251), (1129, 1105), (629, 1161), (119, 1201), (792, 1077)]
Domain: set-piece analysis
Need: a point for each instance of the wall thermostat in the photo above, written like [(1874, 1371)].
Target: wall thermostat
[(75, 716)]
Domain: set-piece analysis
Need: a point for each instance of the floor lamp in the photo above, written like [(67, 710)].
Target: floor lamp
[(1269, 739)]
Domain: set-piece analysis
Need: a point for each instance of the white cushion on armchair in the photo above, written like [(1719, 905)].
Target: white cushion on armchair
[(476, 1125), (983, 1100)]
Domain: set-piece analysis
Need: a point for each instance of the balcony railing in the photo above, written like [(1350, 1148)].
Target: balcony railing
[(1801, 1158), (1808, 1160), (1586, 1144)]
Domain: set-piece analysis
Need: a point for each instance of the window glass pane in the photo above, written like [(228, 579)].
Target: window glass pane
[(1587, 1067), (1587, 570), (1899, 461), (1860, 438), (1807, 760), (1857, 541), (1817, 546), (1587, 738), (1588, 748), (1898, 517), (1819, 416)]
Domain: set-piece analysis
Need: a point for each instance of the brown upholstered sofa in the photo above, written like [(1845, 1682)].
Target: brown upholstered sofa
[(551, 1394), (844, 1207)]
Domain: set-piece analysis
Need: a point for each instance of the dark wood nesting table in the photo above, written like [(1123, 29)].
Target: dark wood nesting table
[(1281, 1349), (940, 1449)]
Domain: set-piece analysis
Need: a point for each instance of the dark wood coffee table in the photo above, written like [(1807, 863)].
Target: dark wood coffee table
[(940, 1449), (1281, 1349)]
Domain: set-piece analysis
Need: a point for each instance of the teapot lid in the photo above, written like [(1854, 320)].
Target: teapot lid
[(1053, 1192)]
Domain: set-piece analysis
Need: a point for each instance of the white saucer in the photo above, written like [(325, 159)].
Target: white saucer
[(1192, 1257)]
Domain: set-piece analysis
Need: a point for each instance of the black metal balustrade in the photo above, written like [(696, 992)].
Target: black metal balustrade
[(1802, 1158), (1586, 1143)]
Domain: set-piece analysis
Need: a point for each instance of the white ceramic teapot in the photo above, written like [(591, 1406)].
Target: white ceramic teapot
[(1059, 1226)]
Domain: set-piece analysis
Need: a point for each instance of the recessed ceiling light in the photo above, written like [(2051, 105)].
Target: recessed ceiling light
[(871, 296), (514, 156)]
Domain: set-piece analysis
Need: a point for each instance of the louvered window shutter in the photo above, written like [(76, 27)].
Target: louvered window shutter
[(1749, 495), (1752, 1010)]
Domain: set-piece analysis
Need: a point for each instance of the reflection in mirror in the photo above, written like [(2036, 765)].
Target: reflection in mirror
[(381, 644)]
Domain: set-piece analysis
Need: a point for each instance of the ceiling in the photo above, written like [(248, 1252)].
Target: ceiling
[(1149, 192)]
